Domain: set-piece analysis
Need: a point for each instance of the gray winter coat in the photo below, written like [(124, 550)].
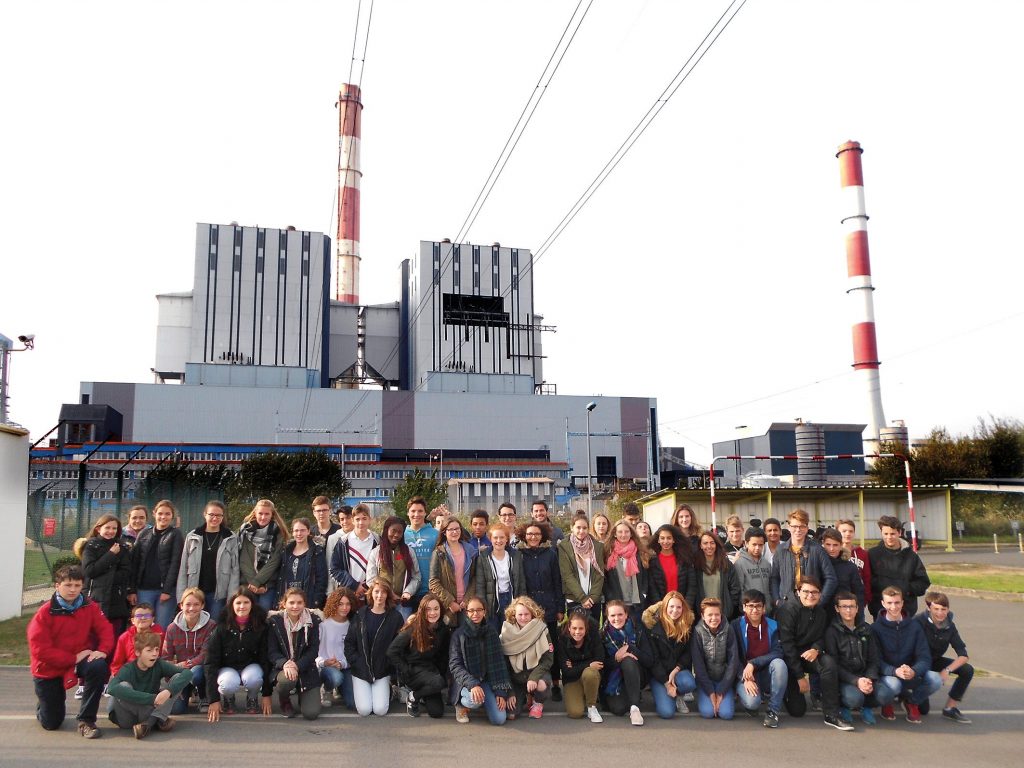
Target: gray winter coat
[(192, 559)]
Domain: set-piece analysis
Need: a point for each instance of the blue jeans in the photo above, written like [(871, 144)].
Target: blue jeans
[(215, 608), (268, 600), (851, 697), (771, 679), (163, 612), (664, 704), (339, 678), (180, 705), (915, 691), (725, 709), (490, 704)]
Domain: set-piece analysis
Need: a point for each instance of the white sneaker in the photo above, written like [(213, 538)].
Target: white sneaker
[(79, 691), (325, 698), (681, 707), (635, 717), (594, 715)]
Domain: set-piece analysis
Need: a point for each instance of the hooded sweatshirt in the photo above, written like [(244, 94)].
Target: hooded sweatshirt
[(184, 646), (754, 574)]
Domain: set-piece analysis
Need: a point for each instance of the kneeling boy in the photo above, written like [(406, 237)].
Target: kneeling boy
[(141, 700), (941, 633)]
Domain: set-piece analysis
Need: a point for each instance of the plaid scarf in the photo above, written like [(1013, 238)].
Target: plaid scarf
[(613, 640), (484, 657)]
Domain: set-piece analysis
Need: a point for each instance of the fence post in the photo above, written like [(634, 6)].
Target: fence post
[(995, 542)]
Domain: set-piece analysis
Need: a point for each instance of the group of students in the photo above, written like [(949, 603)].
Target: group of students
[(500, 617)]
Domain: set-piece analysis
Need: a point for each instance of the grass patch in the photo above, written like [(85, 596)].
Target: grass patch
[(36, 570), (973, 576), (13, 645)]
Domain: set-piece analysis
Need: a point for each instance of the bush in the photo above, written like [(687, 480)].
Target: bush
[(62, 561)]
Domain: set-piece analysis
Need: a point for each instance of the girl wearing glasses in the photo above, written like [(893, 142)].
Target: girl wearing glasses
[(478, 667)]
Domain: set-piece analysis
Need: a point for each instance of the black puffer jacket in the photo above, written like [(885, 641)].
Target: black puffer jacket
[(107, 575), (686, 577), (168, 555), (367, 656), (900, 568), (855, 651), (307, 645), (580, 658), (668, 653), (236, 648), (416, 667)]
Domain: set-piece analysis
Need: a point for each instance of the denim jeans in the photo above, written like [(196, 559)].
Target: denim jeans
[(771, 679), (664, 704), (164, 612), (215, 607), (490, 704), (725, 710), (268, 600), (915, 691), (851, 697), (339, 678), (229, 680), (180, 706)]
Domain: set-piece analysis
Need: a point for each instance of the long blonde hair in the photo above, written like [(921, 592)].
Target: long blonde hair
[(285, 533), (678, 630)]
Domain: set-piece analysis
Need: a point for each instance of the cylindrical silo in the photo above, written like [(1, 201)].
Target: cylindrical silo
[(810, 442)]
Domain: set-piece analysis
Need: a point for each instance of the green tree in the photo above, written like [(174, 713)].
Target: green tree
[(417, 483), (290, 480), (1002, 443), (188, 487)]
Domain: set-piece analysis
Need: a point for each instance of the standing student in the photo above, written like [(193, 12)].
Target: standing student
[(236, 657), (419, 655), (374, 627), (733, 537), (671, 567), (629, 657), (140, 699), (422, 539), (293, 640), (261, 540), (644, 533), (107, 567), (185, 646), (764, 670), (847, 575), (859, 557), (499, 573), (905, 659), (851, 643), (507, 514), (802, 623), (753, 571), (580, 655), (324, 527), (478, 522), (453, 569), (600, 527), (685, 520), (670, 623), (351, 554), (941, 634), (210, 560), (335, 671), (156, 559), (716, 576), (715, 661), (539, 514), (393, 562), (892, 565), (527, 645), (772, 538), (69, 639), (143, 620), (136, 525), (626, 575), (478, 668), (799, 557), (302, 566), (581, 566)]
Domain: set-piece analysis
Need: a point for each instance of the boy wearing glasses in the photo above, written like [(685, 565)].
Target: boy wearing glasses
[(797, 558), (764, 669), (850, 642), (802, 623), (143, 617)]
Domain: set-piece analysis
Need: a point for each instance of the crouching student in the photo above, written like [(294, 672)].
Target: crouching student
[(581, 659), (69, 638), (716, 661), (850, 642), (670, 622), (140, 699), (628, 661), (143, 620), (941, 633), (802, 623), (906, 660), (478, 667), (764, 670), (420, 657), (527, 645), (236, 657), (185, 646), (335, 671), (293, 640)]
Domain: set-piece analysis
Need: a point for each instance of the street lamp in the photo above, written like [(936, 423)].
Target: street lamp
[(590, 478), (28, 342)]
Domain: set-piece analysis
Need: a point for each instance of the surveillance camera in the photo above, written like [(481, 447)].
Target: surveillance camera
[(591, 405), (27, 338)]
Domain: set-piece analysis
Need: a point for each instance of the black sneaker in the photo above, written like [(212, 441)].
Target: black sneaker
[(840, 725), (227, 704), (954, 714), (556, 693), (412, 707), (771, 719)]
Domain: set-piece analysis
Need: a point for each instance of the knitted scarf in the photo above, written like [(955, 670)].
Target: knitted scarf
[(484, 657), (627, 552), (584, 551), (262, 541), (525, 645), (613, 640)]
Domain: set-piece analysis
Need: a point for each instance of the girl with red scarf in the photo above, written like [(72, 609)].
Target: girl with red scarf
[(626, 575)]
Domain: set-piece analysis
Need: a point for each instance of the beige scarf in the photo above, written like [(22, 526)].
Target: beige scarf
[(525, 645)]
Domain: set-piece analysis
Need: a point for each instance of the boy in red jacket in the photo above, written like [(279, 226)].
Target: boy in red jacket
[(69, 638), (143, 615)]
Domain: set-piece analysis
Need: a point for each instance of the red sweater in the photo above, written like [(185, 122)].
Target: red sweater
[(125, 650), (56, 636)]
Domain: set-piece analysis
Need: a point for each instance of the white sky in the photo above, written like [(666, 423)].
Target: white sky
[(709, 271)]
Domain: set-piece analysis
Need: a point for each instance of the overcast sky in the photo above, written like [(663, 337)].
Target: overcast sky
[(709, 269)]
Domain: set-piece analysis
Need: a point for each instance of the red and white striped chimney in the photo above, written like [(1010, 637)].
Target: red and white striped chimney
[(858, 265), (350, 110)]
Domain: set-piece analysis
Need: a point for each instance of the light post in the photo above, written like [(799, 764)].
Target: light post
[(6, 348), (590, 478)]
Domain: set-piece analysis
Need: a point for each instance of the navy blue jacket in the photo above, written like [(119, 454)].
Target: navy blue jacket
[(543, 579), (901, 642), (739, 627)]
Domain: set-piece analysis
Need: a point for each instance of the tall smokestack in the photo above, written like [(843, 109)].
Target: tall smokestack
[(858, 265), (350, 110)]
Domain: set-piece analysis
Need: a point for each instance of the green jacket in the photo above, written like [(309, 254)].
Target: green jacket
[(139, 686)]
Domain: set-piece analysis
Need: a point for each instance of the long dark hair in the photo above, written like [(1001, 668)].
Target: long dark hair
[(680, 544), (422, 632), (257, 616), (719, 562), (387, 562)]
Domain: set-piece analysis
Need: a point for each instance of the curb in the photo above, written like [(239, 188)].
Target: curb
[(982, 594)]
